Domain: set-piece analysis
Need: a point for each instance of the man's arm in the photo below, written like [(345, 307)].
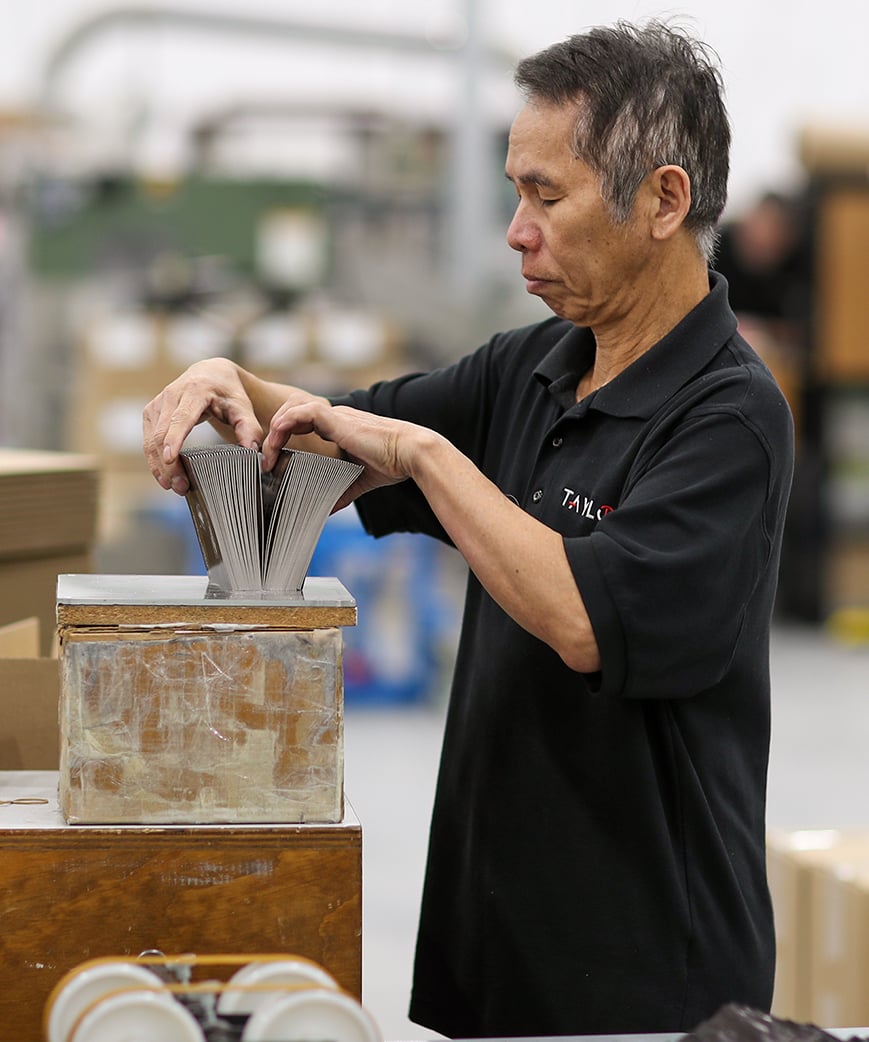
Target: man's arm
[(521, 563)]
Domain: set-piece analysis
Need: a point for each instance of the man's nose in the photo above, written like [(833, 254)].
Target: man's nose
[(522, 233)]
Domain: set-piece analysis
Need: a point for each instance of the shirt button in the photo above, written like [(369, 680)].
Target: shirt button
[(538, 495), (557, 442)]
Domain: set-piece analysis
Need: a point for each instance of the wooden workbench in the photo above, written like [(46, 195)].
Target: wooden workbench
[(71, 893)]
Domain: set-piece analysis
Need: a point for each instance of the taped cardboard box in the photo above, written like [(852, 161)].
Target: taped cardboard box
[(29, 688), (798, 862), (177, 708)]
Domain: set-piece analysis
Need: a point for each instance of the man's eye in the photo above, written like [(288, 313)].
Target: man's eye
[(548, 202)]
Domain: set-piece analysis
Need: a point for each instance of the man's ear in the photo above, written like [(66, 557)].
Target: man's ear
[(671, 190)]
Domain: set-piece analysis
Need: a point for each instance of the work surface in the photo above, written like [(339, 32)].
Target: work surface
[(663, 1037), (843, 1033)]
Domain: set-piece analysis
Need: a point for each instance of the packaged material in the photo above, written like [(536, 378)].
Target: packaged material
[(172, 713)]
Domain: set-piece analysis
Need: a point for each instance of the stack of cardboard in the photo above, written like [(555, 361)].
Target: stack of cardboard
[(48, 526)]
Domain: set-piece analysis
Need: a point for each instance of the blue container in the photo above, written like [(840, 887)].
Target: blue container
[(393, 654)]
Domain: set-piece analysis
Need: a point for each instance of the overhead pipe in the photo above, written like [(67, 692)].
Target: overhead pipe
[(150, 16), (469, 198)]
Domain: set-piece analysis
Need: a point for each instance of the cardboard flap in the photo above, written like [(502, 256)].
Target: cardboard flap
[(29, 693), (20, 639)]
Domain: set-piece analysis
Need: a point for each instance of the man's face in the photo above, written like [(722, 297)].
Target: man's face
[(584, 266)]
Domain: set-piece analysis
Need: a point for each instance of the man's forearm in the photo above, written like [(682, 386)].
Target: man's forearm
[(519, 561)]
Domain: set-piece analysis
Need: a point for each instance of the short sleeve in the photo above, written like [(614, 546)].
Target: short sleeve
[(667, 576)]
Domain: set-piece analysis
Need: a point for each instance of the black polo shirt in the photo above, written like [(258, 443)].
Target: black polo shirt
[(596, 860)]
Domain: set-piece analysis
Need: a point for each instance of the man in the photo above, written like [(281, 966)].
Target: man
[(616, 479)]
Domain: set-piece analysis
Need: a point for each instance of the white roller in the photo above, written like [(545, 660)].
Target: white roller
[(138, 1016), (289, 972), (310, 1016), (89, 984)]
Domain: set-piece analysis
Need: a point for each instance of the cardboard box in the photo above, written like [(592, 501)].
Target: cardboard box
[(847, 580), (798, 863), (842, 236), (28, 588), (71, 893), (48, 525), (29, 688), (177, 707), (840, 954), (20, 639)]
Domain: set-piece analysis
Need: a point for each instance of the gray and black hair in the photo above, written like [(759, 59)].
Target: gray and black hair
[(648, 96)]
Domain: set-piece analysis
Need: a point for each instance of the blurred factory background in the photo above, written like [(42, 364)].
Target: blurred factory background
[(317, 192)]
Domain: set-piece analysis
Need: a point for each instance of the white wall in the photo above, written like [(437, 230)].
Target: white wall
[(784, 64)]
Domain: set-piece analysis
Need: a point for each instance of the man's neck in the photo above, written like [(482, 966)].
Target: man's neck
[(666, 301)]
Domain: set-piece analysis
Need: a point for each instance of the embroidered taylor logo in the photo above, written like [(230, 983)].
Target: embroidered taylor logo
[(584, 505)]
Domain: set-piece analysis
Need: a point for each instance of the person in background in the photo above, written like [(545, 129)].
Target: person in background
[(616, 478), (765, 253)]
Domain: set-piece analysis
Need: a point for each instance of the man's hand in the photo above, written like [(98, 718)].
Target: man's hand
[(387, 448), (234, 401), (210, 390)]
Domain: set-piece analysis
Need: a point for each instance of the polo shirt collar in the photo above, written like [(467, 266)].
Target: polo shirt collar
[(657, 374)]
